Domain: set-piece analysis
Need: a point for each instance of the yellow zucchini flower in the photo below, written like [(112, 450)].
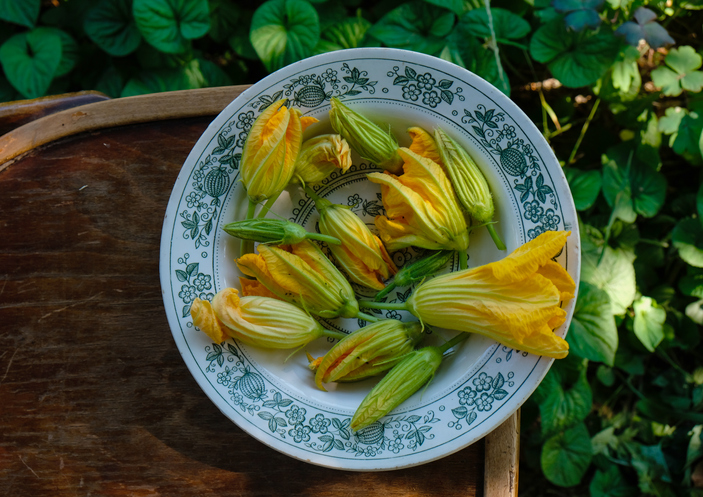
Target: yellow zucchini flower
[(262, 321), (204, 317), (302, 275), (515, 301), (270, 151), (424, 145), (361, 254), (421, 207), (319, 157)]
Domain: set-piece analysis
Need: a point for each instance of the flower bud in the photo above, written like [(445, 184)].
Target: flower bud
[(270, 151), (302, 275), (418, 271), (319, 157), (368, 139), (469, 183), (273, 231), (266, 322), (406, 378), (368, 351), (361, 254)]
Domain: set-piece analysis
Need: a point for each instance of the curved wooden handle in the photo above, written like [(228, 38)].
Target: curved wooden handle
[(117, 112)]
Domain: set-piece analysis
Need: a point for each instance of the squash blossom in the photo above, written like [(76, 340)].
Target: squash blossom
[(515, 301), (270, 151), (302, 275), (368, 351), (469, 183), (319, 157), (204, 317), (361, 254), (406, 378), (421, 207), (273, 231), (368, 139), (265, 322), (424, 145)]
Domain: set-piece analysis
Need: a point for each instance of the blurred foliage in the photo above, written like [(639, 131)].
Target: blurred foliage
[(615, 88)]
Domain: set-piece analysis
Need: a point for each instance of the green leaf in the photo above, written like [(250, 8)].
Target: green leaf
[(687, 237), (606, 375), (284, 31), (112, 27), (158, 80), (69, 53), (671, 120), (349, 33), (681, 72), (649, 322), (456, 6), (562, 408), (614, 273), (575, 58), (168, 25), (584, 185), (636, 183), (592, 333), (111, 82), (567, 456), (626, 73), (687, 140), (464, 50), (30, 60), (691, 285), (650, 463), (414, 26), (23, 12), (507, 26), (213, 74), (610, 483), (225, 20)]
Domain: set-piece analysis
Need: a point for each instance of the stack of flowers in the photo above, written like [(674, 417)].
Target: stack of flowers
[(429, 190)]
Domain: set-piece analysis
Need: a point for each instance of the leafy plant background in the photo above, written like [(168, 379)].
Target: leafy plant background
[(615, 87)]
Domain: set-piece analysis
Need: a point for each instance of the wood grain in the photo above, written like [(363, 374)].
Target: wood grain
[(112, 113), (94, 396), (502, 459)]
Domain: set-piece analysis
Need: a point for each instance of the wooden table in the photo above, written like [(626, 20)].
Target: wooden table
[(94, 396)]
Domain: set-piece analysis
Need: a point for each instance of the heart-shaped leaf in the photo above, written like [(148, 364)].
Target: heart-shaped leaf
[(593, 334), (168, 25), (284, 31), (566, 456), (113, 28), (30, 60), (23, 12), (506, 25), (575, 59), (579, 13), (584, 185), (184, 78), (415, 26), (645, 27), (563, 406), (680, 72), (70, 52), (688, 239), (613, 272), (610, 483), (349, 33), (649, 321)]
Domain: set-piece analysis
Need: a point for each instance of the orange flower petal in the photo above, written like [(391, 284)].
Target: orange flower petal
[(424, 145), (204, 318)]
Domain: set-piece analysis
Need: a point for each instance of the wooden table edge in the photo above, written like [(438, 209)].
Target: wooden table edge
[(501, 445), (117, 112)]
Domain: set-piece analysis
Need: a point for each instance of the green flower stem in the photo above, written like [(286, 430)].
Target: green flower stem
[(454, 341), (247, 246), (389, 288), (367, 317), (494, 235), (572, 157), (267, 206), (399, 306), (337, 335), (463, 259), (314, 196)]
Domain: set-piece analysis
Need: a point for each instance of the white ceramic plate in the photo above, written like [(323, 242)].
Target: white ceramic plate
[(276, 401)]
